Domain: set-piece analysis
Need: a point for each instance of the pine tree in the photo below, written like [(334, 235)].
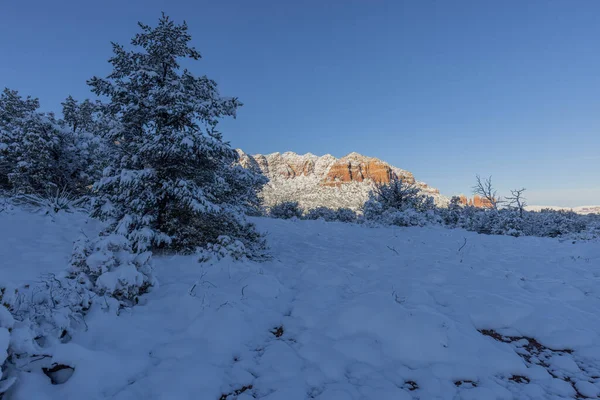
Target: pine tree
[(86, 123), (80, 116), (397, 195), (36, 154), (453, 213), (174, 184)]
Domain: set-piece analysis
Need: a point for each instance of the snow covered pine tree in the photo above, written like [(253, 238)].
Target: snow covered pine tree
[(38, 154), (88, 123), (176, 185)]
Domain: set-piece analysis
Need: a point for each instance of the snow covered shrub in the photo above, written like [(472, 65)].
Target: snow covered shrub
[(403, 218), (510, 222), (286, 210), (452, 214), (494, 222), (515, 222), (554, 223), (174, 173), (485, 221), (46, 311), (206, 229), (107, 266), (88, 122), (593, 225), (6, 327), (36, 153), (324, 213), (37, 317), (397, 195), (52, 200), (345, 215), (328, 214), (399, 203), (224, 247)]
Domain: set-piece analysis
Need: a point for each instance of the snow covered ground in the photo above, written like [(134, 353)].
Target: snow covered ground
[(33, 243), (341, 312)]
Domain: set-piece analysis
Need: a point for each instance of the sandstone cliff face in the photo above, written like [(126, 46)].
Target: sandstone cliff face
[(357, 168), (316, 181), (476, 201)]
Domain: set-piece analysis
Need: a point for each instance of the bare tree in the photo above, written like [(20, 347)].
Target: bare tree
[(486, 191), (517, 200)]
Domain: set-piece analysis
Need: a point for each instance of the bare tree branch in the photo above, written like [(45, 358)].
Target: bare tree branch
[(517, 200), (486, 190)]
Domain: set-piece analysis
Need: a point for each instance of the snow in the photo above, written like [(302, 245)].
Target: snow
[(341, 311), (32, 244), (4, 339)]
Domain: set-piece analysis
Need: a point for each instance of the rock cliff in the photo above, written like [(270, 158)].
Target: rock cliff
[(327, 181)]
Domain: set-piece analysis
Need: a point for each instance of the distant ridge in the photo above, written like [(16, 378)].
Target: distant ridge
[(584, 210), (327, 181)]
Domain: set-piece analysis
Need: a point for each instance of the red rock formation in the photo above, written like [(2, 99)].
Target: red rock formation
[(481, 202), (476, 201), (315, 180), (303, 168), (357, 168)]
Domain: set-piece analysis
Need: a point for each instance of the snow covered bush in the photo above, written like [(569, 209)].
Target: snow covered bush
[(399, 203), (33, 148), (515, 222), (345, 215), (553, 223), (43, 160), (396, 195), (34, 318), (224, 247), (6, 326), (407, 217), (107, 266), (88, 122), (175, 178), (53, 200), (324, 213), (328, 214), (285, 210), (208, 228), (492, 222), (452, 214)]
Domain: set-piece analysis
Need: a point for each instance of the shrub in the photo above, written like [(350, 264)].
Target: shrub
[(324, 213), (345, 215), (107, 266), (34, 318), (399, 203), (53, 200), (286, 210)]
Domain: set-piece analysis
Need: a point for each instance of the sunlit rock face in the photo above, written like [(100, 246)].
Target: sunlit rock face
[(326, 181)]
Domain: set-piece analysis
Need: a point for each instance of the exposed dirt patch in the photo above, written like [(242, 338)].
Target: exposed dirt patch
[(519, 379), (236, 392), (58, 373), (465, 383), (277, 332), (533, 352)]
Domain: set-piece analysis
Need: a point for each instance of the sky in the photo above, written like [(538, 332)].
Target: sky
[(444, 89)]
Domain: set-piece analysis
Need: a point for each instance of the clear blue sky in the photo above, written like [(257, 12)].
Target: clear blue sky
[(445, 89)]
